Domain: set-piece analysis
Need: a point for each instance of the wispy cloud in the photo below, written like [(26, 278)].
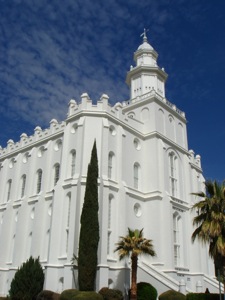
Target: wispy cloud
[(51, 52)]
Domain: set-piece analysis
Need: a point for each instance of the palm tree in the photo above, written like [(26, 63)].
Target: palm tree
[(133, 245), (210, 221)]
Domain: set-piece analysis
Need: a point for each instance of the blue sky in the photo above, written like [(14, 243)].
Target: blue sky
[(53, 51)]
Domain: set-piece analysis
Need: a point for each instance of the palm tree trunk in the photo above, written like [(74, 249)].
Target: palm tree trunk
[(133, 291)]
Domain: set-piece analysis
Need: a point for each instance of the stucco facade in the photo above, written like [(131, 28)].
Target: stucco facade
[(146, 176)]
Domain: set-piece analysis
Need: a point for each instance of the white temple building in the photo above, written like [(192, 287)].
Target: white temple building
[(146, 177)]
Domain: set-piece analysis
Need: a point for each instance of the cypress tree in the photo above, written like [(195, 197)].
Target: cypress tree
[(89, 231)]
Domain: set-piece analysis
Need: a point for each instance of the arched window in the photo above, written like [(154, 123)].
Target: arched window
[(56, 176), (30, 228), (39, 180), (23, 184), (58, 145), (111, 165), (9, 187), (73, 162), (180, 134), (170, 128), (41, 151), (177, 239), (173, 174), (136, 176), (109, 224), (65, 225), (145, 114), (161, 121)]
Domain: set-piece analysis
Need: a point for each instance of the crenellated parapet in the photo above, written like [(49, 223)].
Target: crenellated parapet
[(86, 104), (102, 107), (159, 98), (74, 108), (28, 141), (195, 160)]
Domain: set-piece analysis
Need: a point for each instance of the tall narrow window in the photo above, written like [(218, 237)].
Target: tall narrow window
[(110, 211), (56, 177), (9, 189), (13, 236), (30, 228), (109, 224), (136, 176), (65, 226), (23, 186), (68, 223), (173, 174), (177, 239), (73, 162), (111, 165), (39, 179), (46, 232)]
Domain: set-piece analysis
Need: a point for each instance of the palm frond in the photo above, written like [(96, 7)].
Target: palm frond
[(134, 244), (210, 220)]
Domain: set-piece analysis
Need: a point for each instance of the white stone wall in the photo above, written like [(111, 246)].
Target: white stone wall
[(135, 141)]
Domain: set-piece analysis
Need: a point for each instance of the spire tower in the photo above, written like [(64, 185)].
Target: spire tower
[(146, 75)]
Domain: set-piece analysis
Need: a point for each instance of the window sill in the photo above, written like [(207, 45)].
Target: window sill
[(63, 257)]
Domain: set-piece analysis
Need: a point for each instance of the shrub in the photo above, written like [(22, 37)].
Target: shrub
[(87, 296), (202, 296), (172, 295), (145, 291), (47, 295), (111, 294), (28, 281), (68, 294)]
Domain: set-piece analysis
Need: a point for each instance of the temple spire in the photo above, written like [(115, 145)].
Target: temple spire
[(146, 76), (145, 40)]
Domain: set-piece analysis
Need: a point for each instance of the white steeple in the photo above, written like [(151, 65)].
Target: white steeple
[(146, 75)]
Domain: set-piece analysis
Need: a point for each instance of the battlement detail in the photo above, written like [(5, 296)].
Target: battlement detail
[(86, 105), (38, 136)]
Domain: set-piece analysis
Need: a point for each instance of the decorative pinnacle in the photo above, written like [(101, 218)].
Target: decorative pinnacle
[(144, 35)]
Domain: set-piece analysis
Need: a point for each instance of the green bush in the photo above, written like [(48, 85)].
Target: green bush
[(73, 294), (145, 291), (172, 295), (87, 296), (47, 295), (202, 296), (68, 294), (111, 294), (28, 281)]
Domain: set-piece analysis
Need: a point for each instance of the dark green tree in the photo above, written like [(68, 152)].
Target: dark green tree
[(28, 281), (89, 231)]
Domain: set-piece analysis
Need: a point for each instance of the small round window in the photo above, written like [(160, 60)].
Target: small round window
[(58, 145), (112, 130), (74, 128), (11, 163), (50, 210), (137, 209), (16, 217), (32, 213), (25, 157), (137, 144), (40, 151)]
